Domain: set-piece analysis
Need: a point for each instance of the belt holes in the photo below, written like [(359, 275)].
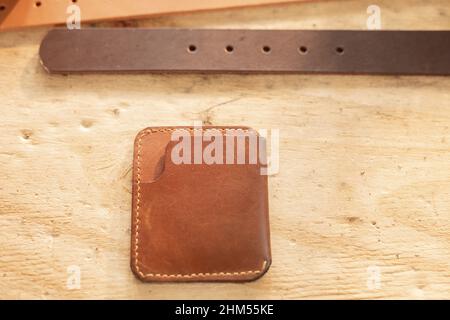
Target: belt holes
[(192, 48), (2, 7), (229, 49), (266, 49), (38, 4), (303, 50), (340, 50)]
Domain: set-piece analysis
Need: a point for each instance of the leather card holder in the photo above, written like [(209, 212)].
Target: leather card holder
[(202, 220)]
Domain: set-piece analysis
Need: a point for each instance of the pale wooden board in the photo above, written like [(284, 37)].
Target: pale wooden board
[(364, 179)]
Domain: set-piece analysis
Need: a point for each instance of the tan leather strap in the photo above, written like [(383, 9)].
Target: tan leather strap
[(246, 51), (26, 13)]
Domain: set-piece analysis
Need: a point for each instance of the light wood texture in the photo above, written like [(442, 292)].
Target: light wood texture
[(364, 181)]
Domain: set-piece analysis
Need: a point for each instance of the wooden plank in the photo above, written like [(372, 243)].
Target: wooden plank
[(363, 186)]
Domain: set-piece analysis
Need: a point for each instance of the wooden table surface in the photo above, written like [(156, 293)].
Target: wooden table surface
[(359, 209)]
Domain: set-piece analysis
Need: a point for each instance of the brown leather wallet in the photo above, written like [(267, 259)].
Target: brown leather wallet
[(247, 51), (197, 221)]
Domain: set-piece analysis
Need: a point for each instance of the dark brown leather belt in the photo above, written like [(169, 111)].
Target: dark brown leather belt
[(247, 51)]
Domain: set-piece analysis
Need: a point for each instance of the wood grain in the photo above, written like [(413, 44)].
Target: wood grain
[(364, 182)]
